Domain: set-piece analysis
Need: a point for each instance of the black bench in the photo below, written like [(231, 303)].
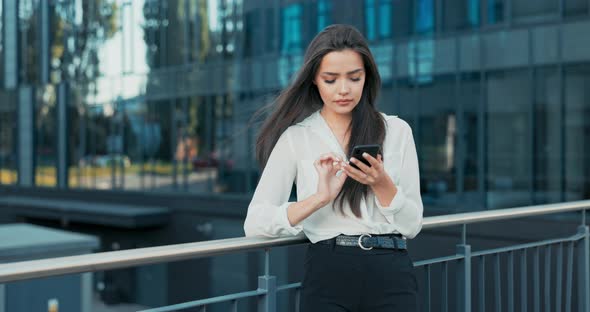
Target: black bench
[(107, 214)]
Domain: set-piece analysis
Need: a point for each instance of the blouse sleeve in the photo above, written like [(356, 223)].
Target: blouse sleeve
[(405, 210), (267, 212)]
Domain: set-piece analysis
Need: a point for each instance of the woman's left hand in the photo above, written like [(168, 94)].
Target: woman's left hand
[(371, 176)]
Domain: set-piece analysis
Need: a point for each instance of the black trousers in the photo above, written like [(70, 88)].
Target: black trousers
[(350, 279)]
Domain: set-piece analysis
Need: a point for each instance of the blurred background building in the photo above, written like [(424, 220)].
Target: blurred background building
[(150, 102), (157, 95)]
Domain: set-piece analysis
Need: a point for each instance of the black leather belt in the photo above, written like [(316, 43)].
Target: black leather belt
[(368, 242)]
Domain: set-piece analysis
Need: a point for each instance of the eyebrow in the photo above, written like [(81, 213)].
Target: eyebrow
[(349, 73)]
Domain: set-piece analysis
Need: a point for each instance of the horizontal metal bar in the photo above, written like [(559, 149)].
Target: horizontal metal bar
[(528, 245), (208, 301), (137, 257), (438, 260), (288, 286), (503, 214), (143, 256)]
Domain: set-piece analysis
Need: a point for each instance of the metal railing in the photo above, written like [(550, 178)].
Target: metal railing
[(577, 246)]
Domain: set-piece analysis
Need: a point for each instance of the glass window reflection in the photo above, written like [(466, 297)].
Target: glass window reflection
[(460, 15), (324, 8), (577, 136), (424, 23), (8, 156), (161, 92), (292, 29), (495, 11), (509, 139), (436, 135)]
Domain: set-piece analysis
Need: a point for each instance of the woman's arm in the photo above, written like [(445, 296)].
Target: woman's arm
[(270, 213), (300, 210), (405, 209), (330, 181), (267, 212), (400, 204), (385, 191)]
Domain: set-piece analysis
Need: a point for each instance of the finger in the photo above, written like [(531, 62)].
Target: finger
[(329, 161), (333, 160), (329, 156), (342, 177), (354, 173), (318, 163), (336, 166), (372, 160), (352, 170), (376, 165), (364, 168)]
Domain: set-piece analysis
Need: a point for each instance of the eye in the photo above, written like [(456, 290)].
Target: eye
[(329, 81), (355, 79)]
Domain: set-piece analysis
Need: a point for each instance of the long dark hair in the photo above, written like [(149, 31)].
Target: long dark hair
[(301, 98)]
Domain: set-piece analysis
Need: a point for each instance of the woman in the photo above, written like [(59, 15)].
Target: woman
[(356, 219)]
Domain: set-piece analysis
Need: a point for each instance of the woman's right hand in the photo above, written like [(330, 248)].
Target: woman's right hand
[(329, 184)]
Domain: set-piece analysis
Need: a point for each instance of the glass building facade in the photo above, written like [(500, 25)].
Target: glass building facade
[(158, 96)]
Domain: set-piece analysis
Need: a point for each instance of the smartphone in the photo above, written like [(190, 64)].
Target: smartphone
[(358, 150)]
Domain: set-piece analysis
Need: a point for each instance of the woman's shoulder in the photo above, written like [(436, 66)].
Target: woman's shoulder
[(395, 123), (293, 131), (310, 121)]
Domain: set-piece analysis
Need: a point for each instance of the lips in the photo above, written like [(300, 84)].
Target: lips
[(343, 102)]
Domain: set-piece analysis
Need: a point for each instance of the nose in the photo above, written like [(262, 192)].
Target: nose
[(344, 88)]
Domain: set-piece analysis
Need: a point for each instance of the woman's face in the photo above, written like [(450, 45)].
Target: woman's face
[(340, 81)]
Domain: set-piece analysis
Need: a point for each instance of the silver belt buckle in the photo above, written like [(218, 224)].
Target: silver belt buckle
[(360, 243)]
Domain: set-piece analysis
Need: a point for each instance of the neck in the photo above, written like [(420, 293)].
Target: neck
[(339, 121)]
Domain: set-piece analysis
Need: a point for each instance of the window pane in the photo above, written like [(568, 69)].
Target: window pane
[(155, 170), (251, 42), (576, 7), (45, 126), (525, 8), (29, 36), (370, 20), (437, 140), (407, 100), (509, 141), (1, 46), (495, 11), (470, 98), (8, 173), (460, 15), (577, 136), (378, 19), (292, 29), (547, 136), (324, 14), (403, 18), (424, 23), (384, 19), (271, 29)]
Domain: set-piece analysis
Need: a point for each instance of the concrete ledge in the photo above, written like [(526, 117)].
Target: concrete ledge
[(108, 214)]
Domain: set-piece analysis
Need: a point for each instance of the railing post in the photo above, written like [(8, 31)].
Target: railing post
[(2, 298), (464, 278), (583, 251), (268, 301)]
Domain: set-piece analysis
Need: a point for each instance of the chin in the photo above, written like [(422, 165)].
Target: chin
[(345, 110)]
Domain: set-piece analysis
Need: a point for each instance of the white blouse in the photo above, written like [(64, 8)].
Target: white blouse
[(292, 159)]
